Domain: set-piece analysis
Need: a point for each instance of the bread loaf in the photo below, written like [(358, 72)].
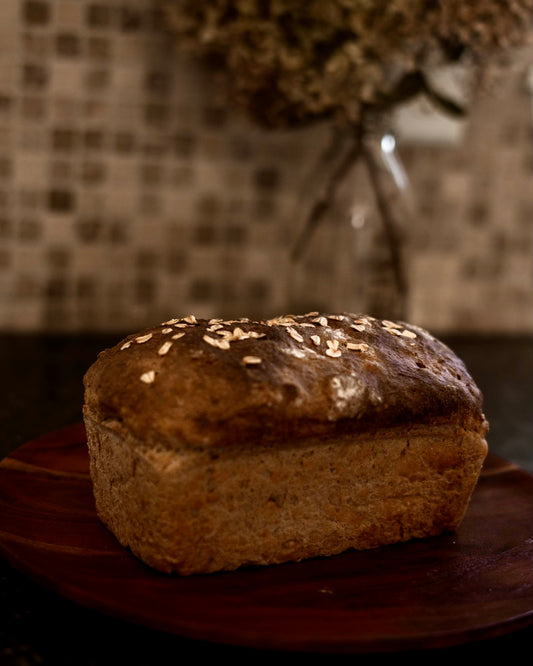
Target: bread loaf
[(219, 444)]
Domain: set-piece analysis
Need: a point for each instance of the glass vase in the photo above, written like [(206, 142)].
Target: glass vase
[(351, 251)]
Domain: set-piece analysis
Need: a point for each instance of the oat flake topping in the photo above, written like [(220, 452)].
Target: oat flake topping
[(251, 360), (222, 334), (148, 377)]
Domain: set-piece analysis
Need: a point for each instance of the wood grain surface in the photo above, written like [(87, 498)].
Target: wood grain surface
[(476, 583)]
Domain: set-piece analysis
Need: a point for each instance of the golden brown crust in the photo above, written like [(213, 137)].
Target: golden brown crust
[(212, 382)]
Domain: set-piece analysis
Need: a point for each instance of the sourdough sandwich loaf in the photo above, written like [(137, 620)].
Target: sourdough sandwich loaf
[(217, 444)]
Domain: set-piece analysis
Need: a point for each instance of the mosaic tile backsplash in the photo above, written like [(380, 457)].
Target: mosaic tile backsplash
[(129, 193)]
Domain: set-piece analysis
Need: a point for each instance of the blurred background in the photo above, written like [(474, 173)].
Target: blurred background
[(130, 193)]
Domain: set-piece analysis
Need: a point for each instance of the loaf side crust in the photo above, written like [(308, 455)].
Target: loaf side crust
[(194, 510)]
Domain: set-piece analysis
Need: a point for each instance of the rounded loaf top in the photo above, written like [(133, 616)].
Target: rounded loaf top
[(204, 382)]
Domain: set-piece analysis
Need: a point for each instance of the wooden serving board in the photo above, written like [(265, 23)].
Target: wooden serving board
[(473, 584)]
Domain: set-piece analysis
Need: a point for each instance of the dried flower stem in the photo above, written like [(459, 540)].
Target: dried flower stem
[(322, 204), (393, 233)]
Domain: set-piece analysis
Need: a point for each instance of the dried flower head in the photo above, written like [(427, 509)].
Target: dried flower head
[(289, 62)]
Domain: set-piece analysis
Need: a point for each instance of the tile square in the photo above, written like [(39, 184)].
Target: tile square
[(36, 12), (98, 15)]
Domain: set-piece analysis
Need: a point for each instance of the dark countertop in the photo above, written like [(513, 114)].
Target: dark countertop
[(41, 380)]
